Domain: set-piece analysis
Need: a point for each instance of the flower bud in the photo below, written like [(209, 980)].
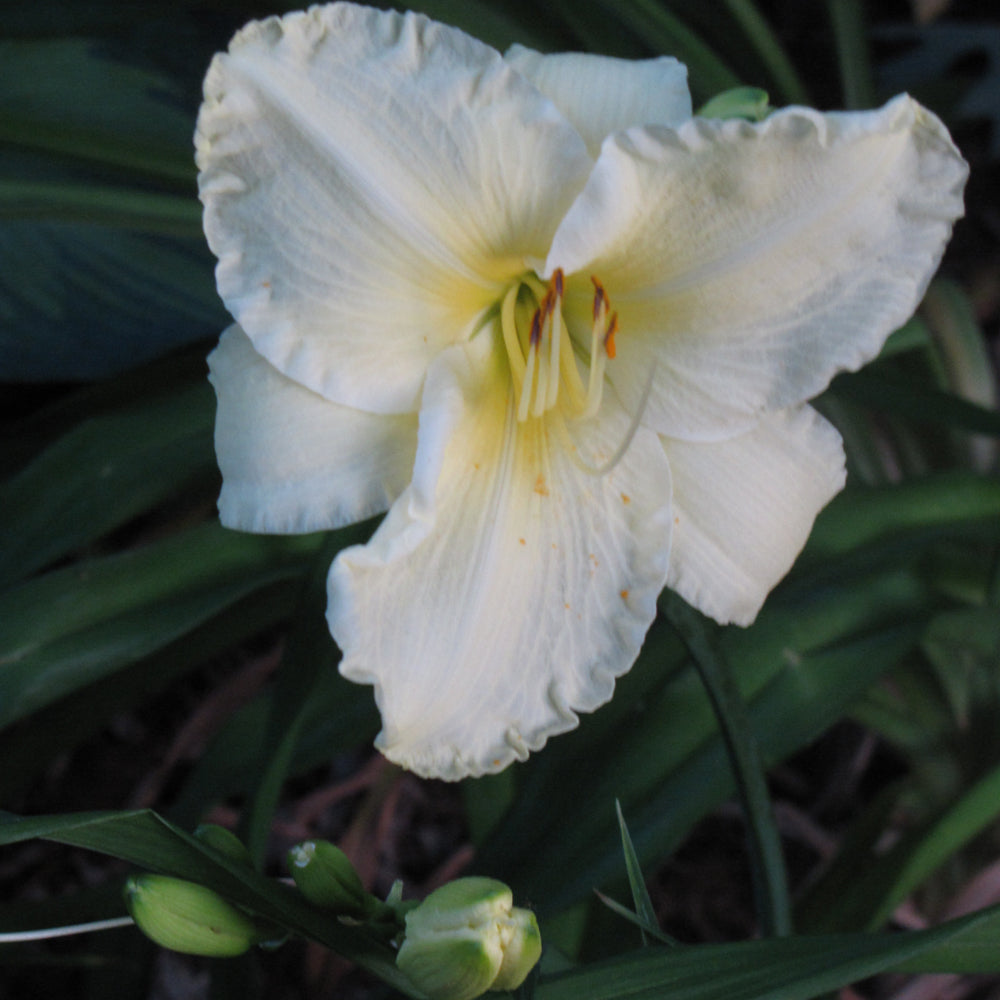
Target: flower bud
[(326, 877), (466, 938), (187, 917), (225, 842)]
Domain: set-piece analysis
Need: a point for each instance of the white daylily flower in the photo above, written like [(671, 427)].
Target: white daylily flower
[(407, 224)]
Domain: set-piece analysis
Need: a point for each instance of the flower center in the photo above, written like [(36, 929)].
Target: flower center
[(540, 351)]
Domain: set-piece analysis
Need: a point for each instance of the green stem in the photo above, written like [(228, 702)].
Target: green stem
[(767, 863)]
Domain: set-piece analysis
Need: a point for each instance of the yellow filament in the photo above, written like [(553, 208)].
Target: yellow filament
[(554, 323), (529, 377), (571, 375), (509, 328), (542, 385)]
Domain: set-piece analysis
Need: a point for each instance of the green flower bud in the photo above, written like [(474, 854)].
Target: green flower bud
[(466, 938), (225, 842), (326, 877), (751, 103), (187, 917)]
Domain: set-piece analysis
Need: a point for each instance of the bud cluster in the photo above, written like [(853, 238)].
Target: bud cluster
[(464, 939)]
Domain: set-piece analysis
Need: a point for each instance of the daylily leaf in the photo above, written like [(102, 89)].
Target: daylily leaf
[(73, 626), (795, 968), (885, 879), (28, 748), (97, 274), (106, 470), (81, 301), (645, 913), (67, 96)]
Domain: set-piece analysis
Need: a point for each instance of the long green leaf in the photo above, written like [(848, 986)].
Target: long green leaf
[(66, 96), (916, 512), (792, 968), (875, 889), (105, 471), (80, 301), (73, 626), (29, 748), (644, 910), (920, 404), (101, 205)]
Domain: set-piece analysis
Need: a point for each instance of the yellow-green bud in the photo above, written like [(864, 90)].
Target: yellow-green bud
[(326, 877), (466, 938), (751, 103), (187, 917), (225, 842)]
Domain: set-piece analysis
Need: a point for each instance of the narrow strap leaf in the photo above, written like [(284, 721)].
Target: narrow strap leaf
[(643, 904)]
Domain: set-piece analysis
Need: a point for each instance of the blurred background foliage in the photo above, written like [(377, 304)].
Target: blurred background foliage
[(151, 659)]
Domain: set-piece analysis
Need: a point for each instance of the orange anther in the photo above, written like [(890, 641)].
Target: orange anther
[(600, 296), (557, 281), (535, 336), (609, 337)]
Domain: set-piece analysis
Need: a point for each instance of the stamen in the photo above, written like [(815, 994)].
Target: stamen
[(531, 362), (609, 337), (510, 339), (600, 298), (602, 347), (554, 298), (539, 323), (544, 362), (572, 382)]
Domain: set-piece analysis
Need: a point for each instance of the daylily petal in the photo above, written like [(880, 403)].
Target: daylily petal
[(601, 95), (751, 262), (370, 180), (744, 507), (293, 461), (507, 587)]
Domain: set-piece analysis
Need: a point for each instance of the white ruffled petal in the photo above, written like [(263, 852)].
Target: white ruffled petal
[(507, 588), (744, 507), (600, 95), (751, 262), (291, 460), (370, 181)]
